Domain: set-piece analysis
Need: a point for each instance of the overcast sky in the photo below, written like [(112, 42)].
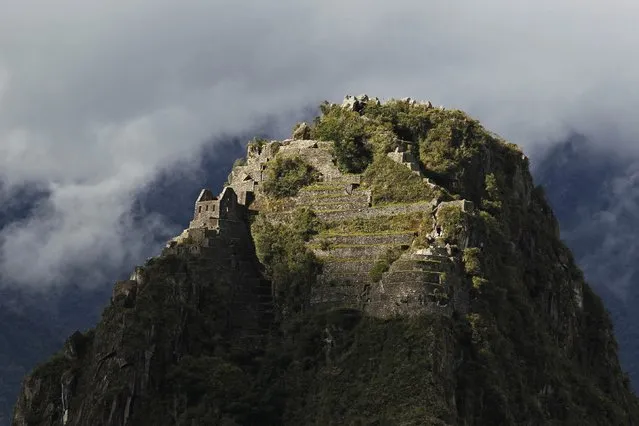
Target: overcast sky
[(96, 98)]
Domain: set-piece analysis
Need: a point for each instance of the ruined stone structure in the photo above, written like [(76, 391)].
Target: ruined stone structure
[(247, 180), (213, 216), (411, 286), (214, 212), (357, 103), (405, 158)]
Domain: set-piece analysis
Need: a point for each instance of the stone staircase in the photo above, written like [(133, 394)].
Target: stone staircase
[(347, 262), (333, 196), (414, 284), (406, 158)]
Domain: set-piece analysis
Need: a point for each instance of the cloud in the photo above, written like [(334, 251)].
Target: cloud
[(96, 99), (609, 232)]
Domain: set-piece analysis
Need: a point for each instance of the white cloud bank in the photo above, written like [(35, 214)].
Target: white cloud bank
[(96, 98)]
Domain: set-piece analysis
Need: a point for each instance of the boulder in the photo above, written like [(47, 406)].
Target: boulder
[(302, 132)]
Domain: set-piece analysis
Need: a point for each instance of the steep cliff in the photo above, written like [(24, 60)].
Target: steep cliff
[(393, 263)]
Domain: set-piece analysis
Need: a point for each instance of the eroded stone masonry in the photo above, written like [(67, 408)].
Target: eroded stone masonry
[(425, 277)]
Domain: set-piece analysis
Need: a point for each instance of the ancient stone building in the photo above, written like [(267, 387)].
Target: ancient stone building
[(210, 210), (213, 216)]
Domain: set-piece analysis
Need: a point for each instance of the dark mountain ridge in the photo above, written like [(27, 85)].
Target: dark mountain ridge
[(393, 263)]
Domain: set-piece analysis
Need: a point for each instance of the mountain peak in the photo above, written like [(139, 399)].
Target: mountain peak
[(391, 263)]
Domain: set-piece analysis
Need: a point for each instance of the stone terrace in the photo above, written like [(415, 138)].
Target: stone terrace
[(412, 284)]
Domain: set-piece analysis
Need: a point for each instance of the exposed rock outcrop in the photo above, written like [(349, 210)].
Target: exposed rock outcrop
[(432, 288), (301, 132)]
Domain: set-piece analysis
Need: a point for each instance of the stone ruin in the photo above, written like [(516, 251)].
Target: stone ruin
[(227, 213), (411, 102), (357, 103), (247, 180), (213, 216), (405, 157), (212, 211)]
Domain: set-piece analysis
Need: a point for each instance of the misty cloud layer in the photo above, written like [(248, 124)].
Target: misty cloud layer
[(96, 100)]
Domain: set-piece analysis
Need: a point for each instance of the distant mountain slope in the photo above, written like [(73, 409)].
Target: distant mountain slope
[(595, 196)]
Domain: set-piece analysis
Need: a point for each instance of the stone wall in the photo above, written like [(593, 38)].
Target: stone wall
[(413, 283)]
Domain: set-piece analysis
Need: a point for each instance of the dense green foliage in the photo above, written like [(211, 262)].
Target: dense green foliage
[(257, 143), (383, 264), (290, 266), (352, 150), (393, 183), (286, 176), (339, 367), (358, 225), (451, 146)]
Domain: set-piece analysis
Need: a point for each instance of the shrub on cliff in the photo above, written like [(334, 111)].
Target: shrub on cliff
[(353, 153), (286, 176), (290, 266), (392, 182), (408, 122)]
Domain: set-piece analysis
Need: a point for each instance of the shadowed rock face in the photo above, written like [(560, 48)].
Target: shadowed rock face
[(175, 307), (430, 289)]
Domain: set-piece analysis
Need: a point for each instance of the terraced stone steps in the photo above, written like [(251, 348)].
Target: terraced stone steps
[(337, 294), (352, 278), (346, 265), (411, 287), (421, 265), (331, 190), (414, 284), (396, 276), (331, 207), (311, 193), (306, 197), (332, 199), (376, 211), (381, 238), (361, 251)]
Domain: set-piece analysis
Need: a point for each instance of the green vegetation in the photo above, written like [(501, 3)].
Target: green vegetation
[(522, 350), (358, 225), (290, 266), (239, 162), (452, 147), (53, 367), (360, 378), (286, 176), (493, 196), (384, 264), (391, 182), (454, 223), (352, 150), (471, 259), (257, 143)]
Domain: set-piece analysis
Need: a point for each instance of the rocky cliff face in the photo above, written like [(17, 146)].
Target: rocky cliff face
[(401, 268)]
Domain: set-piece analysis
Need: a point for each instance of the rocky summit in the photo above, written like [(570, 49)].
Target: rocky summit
[(390, 264)]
